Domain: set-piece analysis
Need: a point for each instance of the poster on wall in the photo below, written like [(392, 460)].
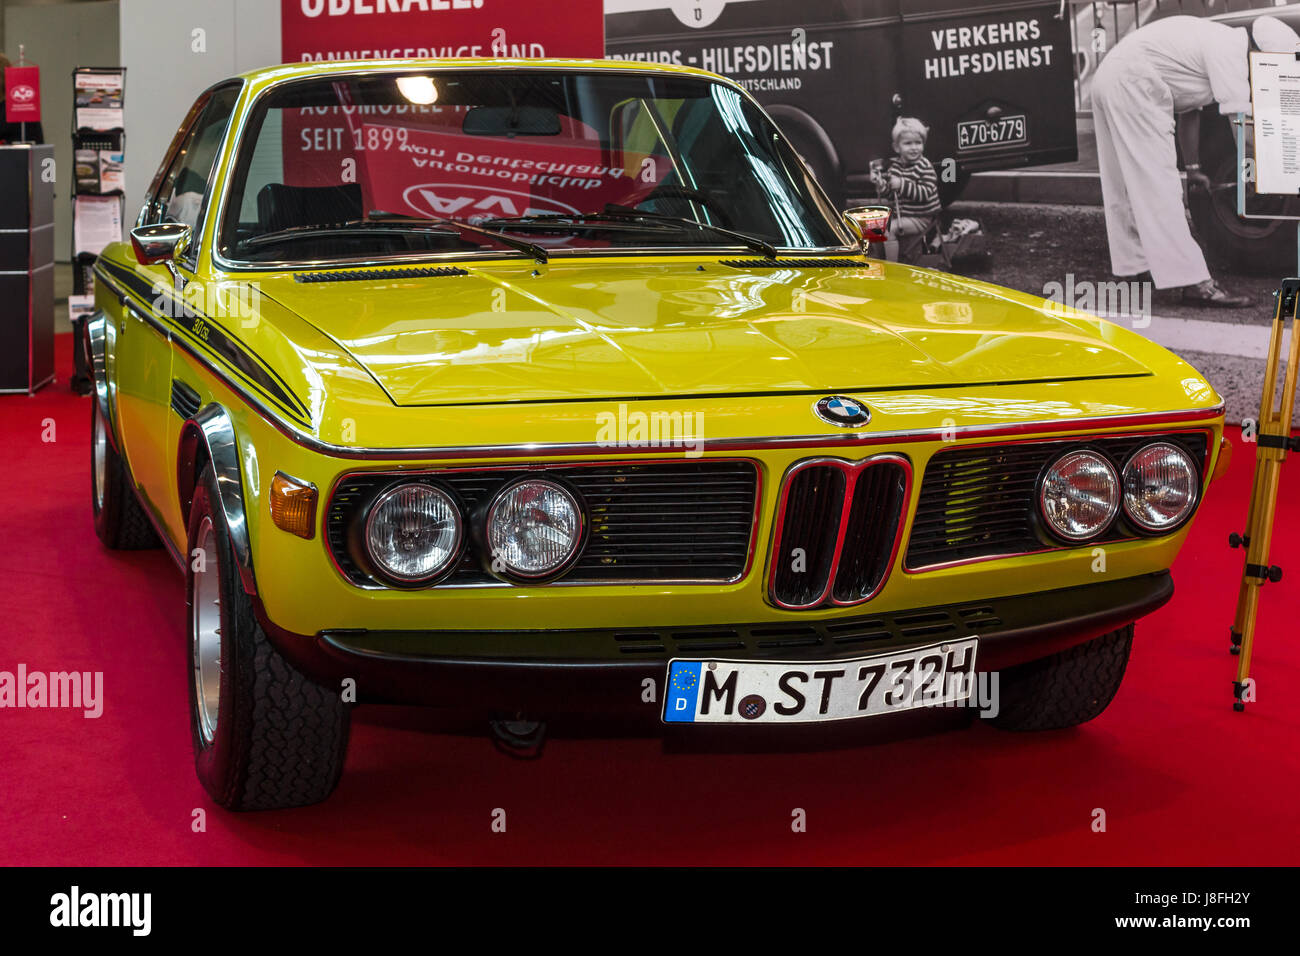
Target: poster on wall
[(992, 79), (381, 29)]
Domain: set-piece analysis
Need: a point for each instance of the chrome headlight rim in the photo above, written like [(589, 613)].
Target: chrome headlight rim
[(1193, 503), (377, 569), (484, 524), (1112, 513)]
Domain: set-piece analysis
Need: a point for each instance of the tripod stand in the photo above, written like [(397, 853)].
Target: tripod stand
[(1273, 441)]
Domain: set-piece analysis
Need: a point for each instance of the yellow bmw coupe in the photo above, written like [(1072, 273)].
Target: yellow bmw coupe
[(541, 387)]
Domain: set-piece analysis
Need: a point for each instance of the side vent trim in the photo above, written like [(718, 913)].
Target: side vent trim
[(185, 400)]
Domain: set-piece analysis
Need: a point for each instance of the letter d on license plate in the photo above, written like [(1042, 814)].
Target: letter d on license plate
[(774, 692)]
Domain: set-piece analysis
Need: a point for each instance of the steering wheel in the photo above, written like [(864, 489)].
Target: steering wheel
[(699, 196)]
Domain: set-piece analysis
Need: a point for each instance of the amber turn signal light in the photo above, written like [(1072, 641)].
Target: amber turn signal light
[(1224, 460), (293, 505)]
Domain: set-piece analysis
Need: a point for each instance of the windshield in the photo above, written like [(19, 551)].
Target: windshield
[(386, 165)]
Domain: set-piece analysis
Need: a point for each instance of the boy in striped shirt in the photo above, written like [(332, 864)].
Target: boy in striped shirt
[(911, 182)]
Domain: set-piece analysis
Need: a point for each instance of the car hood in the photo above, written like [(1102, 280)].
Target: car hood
[(592, 329)]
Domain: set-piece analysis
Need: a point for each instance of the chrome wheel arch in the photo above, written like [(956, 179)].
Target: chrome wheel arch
[(210, 436), (99, 342)]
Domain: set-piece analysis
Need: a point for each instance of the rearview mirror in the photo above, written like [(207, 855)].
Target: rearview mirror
[(160, 242), (512, 121), (869, 223)]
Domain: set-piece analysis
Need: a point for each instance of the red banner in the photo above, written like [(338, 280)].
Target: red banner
[(23, 94), (382, 29)]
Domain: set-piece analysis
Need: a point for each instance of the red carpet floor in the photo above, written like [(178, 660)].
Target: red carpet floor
[(1183, 779)]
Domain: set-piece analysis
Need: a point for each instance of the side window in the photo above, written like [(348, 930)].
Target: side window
[(182, 194), (265, 166)]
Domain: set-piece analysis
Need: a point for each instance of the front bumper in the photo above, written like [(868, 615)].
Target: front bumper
[(605, 670)]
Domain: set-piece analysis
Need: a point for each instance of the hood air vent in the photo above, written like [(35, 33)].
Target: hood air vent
[(795, 263), (358, 275)]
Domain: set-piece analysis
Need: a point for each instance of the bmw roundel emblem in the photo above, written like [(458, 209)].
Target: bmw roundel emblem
[(841, 411)]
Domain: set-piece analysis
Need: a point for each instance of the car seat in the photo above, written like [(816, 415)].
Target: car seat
[(280, 206)]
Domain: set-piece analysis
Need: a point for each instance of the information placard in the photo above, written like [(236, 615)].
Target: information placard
[(1275, 93)]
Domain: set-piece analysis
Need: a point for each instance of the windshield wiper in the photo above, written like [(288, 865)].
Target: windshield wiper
[(575, 223), (380, 221), (528, 248), (614, 210), (352, 227), (626, 214)]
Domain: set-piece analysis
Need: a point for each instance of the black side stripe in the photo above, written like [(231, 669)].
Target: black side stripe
[(204, 330)]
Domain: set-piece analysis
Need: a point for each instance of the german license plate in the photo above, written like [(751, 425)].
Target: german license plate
[(783, 692), (1003, 131)]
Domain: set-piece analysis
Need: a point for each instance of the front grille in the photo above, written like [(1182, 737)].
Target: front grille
[(655, 522), (981, 502), (954, 622), (871, 533), (838, 530), (808, 638), (814, 503)]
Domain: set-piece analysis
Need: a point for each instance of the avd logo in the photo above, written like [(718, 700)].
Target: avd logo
[(464, 200)]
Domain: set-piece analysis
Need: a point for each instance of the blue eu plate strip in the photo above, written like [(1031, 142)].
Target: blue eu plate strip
[(683, 692)]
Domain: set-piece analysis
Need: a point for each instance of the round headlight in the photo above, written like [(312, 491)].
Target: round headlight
[(1161, 485), (413, 533), (534, 529), (1079, 495)]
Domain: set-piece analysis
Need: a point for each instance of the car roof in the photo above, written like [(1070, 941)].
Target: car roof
[(270, 75)]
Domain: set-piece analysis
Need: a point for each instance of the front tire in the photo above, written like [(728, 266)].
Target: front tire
[(265, 737), (1066, 689), (120, 521), (1251, 246)]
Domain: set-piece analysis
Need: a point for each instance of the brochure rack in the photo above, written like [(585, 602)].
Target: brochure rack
[(98, 194)]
